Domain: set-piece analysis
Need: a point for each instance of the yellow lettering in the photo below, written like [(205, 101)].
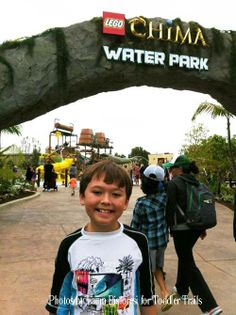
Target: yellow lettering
[(169, 32), (137, 21), (180, 38), (178, 34), (200, 37), (143, 28), (152, 29)]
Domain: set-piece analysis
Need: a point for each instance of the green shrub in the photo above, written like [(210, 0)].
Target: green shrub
[(5, 187), (227, 194), (11, 183)]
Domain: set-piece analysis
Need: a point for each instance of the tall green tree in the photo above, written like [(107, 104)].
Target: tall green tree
[(210, 154), (217, 110), (194, 138), (140, 154)]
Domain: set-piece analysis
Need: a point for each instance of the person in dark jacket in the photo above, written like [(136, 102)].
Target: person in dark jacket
[(73, 171), (188, 275), (48, 175), (29, 174)]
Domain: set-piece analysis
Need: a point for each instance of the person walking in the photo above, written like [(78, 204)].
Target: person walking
[(73, 185), (149, 218), (73, 171), (136, 173), (29, 174), (33, 178), (188, 275), (48, 174)]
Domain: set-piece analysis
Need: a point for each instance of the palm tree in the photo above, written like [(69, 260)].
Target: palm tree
[(13, 130), (216, 110)]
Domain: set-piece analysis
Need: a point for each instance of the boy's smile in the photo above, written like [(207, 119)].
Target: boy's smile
[(104, 204)]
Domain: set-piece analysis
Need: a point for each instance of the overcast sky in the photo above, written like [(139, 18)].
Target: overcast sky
[(156, 119)]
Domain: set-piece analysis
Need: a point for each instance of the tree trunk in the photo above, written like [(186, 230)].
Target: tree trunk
[(231, 156), (234, 222)]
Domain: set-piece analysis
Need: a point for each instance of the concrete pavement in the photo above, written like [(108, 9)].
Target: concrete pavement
[(31, 230)]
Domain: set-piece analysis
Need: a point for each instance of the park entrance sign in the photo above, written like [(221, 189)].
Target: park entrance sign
[(148, 57), (109, 53), (144, 29)]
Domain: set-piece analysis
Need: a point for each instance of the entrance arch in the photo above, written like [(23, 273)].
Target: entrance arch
[(62, 65)]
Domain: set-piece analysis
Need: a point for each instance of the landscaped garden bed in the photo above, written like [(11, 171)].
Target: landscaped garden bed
[(9, 197), (13, 186)]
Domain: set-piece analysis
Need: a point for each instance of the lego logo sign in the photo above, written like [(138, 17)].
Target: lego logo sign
[(114, 23)]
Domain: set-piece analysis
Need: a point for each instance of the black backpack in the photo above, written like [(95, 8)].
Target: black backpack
[(200, 212)]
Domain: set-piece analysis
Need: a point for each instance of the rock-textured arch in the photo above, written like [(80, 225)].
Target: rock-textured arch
[(62, 65)]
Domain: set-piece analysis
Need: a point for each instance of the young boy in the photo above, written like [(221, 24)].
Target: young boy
[(104, 267), (149, 218)]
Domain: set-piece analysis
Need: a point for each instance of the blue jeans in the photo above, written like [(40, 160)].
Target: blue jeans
[(189, 276)]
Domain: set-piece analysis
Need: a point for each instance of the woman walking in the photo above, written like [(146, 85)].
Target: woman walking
[(188, 275)]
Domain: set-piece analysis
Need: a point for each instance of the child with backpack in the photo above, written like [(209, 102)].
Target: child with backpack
[(185, 236)]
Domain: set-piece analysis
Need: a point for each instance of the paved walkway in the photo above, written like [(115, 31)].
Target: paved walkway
[(31, 230)]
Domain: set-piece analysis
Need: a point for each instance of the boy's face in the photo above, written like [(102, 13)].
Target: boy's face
[(104, 204)]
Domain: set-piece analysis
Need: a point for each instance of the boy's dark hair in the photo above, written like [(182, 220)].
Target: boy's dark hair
[(112, 173), (150, 186)]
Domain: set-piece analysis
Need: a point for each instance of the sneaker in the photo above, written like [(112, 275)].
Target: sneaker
[(215, 311), (168, 302), (183, 297)]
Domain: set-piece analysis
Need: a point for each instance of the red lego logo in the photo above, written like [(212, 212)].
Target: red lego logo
[(114, 23)]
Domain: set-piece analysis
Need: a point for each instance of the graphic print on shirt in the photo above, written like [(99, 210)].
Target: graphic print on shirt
[(101, 287)]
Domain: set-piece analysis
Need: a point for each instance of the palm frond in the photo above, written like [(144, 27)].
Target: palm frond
[(4, 150), (215, 110), (13, 130)]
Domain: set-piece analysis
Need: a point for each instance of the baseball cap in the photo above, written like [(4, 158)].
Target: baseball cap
[(181, 161), (167, 164), (154, 172)]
